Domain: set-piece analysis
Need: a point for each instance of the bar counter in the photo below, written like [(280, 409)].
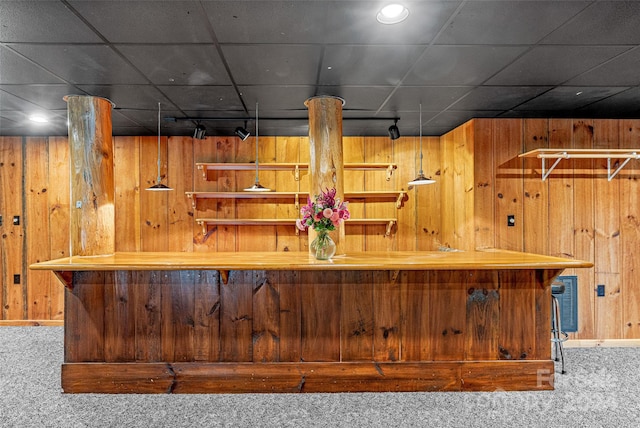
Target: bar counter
[(285, 322)]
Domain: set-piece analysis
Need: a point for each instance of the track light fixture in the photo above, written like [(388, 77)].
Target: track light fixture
[(242, 132), (199, 132), (394, 132)]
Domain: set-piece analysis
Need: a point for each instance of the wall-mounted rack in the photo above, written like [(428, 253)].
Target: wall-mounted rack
[(559, 154), (381, 194), (284, 166), (206, 222)]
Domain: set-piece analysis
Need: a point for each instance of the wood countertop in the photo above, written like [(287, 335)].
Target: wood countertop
[(398, 260)]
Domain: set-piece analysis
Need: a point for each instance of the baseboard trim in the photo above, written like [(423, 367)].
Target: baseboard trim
[(32, 323), (602, 343)]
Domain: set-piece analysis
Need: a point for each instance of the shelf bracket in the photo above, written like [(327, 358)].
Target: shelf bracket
[(390, 169), (297, 203), (203, 224), (399, 200), (224, 276), (610, 175), (389, 226), (193, 200), (66, 277), (296, 173), (204, 172), (552, 167)]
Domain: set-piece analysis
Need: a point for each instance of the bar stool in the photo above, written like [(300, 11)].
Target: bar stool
[(558, 336)]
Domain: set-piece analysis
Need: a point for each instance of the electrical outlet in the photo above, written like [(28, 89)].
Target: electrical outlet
[(511, 220), (0, 220), (16, 220), (16, 278), (600, 290)]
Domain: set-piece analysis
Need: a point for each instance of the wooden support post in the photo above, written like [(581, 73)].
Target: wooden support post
[(326, 166), (92, 227)]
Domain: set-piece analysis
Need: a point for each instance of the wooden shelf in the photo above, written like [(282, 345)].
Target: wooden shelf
[(286, 166), (205, 222), (559, 154), (194, 196)]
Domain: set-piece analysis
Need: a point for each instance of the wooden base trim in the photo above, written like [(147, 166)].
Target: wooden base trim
[(32, 323), (189, 378), (604, 343)]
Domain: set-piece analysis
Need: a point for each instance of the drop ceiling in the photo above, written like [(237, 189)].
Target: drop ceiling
[(215, 60)]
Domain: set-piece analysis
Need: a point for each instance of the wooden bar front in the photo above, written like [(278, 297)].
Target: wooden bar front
[(284, 322)]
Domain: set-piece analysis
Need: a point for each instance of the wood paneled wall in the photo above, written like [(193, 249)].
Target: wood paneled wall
[(575, 213)]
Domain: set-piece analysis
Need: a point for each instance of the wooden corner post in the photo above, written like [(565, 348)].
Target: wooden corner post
[(92, 220), (326, 166)]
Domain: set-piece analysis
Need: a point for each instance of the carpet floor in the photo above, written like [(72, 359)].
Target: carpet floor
[(601, 389)]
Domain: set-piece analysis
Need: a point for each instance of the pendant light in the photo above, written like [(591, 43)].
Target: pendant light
[(421, 179), (257, 187), (159, 187)]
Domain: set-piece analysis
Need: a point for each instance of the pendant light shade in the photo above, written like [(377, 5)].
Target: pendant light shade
[(159, 186), (257, 187), (421, 179)]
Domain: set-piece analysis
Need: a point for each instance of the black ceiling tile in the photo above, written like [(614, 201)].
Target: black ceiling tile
[(602, 23), (620, 71), (14, 69), (452, 119), (178, 64), (128, 96), (624, 104), (45, 96), (9, 101), (146, 21), (268, 22), (19, 120), (367, 64), (203, 97), (351, 22), (42, 21), (274, 97), (461, 65), (568, 98), (498, 97), (82, 64), (433, 98), (507, 22), (273, 64), (552, 65), (358, 98)]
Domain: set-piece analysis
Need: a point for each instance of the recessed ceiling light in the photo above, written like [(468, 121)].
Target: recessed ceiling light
[(38, 118), (392, 14)]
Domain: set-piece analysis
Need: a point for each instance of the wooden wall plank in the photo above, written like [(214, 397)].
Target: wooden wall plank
[(147, 299), (447, 224), (535, 202), (356, 318), (119, 317), (404, 156), (212, 149), (181, 171), (484, 193), (12, 244), (86, 315), (607, 238), (236, 308), (414, 316), (378, 150), (354, 151), (266, 317), (517, 303), (126, 155), (507, 134), (447, 289), (386, 304), (426, 214), (154, 218), (207, 316), (584, 132), (59, 200), (320, 335), (482, 317), (630, 232), (36, 220), (290, 330), (287, 150), (177, 306)]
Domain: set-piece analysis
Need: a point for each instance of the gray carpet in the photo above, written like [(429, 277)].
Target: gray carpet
[(601, 389)]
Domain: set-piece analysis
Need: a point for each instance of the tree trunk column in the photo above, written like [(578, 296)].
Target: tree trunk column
[(92, 226), (326, 167)]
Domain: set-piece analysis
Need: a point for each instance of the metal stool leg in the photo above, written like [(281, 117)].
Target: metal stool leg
[(559, 336)]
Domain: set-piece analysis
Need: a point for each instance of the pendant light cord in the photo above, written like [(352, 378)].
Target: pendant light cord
[(158, 143), (421, 172), (257, 178)]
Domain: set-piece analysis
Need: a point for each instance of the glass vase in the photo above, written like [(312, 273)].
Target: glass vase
[(322, 247)]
